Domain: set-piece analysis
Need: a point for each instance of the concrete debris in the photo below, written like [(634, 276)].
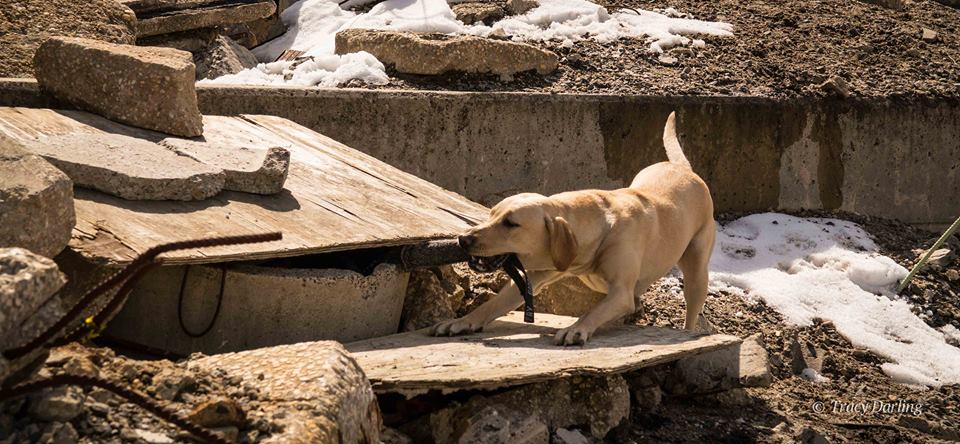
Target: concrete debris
[(805, 355), (191, 41), (29, 23), (496, 424), (567, 436), (648, 398), (148, 87), (321, 374), (185, 16), (896, 5), (246, 169), (432, 53), (57, 404), (129, 167), (36, 201), (223, 56), (518, 7), (754, 363), (596, 403), (393, 436), (568, 297), (836, 86), (429, 298), (811, 436), (219, 412), (667, 60), (471, 13), (257, 32), (707, 372), (928, 35)]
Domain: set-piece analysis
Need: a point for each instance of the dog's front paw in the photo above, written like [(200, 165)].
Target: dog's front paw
[(572, 335), (455, 327)]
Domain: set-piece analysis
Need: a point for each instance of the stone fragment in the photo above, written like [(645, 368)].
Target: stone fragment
[(754, 363), (928, 35), (647, 398), (433, 53), (257, 32), (811, 436), (57, 404), (496, 424), (36, 201), (804, 355), (470, 13), (567, 436), (836, 86), (223, 56), (34, 21), (129, 167), (27, 282), (706, 372), (205, 16), (518, 7), (568, 296), (149, 87), (428, 299), (246, 169), (667, 60), (59, 433), (896, 5), (953, 275), (322, 374), (191, 41)]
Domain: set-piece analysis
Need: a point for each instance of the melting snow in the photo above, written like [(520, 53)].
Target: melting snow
[(312, 26), (831, 269)]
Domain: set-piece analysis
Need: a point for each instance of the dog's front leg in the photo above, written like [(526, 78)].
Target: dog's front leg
[(618, 303), (508, 298)]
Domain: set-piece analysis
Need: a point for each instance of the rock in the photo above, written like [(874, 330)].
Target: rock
[(707, 372), (518, 7), (223, 56), (230, 433), (667, 60), (896, 5), (257, 32), (36, 201), (149, 87), (565, 436), (501, 425), (29, 23), (598, 404), (836, 86), (805, 355), (754, 363), (428, 299), (953, 275), (27, 283), (811, 436), (928, 35), (57, 404), (568, 296), (220, 412), (246, 169), (59, 433), (204, 16), (470, 13), (322, 374), (152, 437), (735, 397), (647, 399), (432, 53), (129, 167), (80, 365)]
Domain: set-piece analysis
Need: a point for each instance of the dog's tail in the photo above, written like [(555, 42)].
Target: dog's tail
[(672, 144)]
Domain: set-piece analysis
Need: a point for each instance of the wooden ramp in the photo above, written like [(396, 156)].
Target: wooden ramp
[(335, 198), (509, 352)]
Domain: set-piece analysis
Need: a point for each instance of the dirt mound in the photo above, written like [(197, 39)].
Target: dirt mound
[(28, 23)]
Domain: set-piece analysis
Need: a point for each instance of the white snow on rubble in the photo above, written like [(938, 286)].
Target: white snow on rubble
[(831, 269), (312, 26)]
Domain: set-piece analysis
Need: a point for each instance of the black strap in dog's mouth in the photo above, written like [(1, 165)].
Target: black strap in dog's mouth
[(514, 268)]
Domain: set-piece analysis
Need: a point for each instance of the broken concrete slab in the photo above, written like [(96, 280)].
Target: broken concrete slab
[(170, 16), (246, 169), (597, 404), (429, 298), (148, 87), (706, 372), (342, 406), (754, 363), (433, 53), (36, 201), (129, 167), (509, 352), (476, 12), (192, 41), (223, 56)]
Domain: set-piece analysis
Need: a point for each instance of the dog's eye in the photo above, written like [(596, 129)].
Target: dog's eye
[(510, 224)]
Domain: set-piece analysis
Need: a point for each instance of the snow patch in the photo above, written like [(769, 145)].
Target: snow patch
[(831, 269), (312, 26)]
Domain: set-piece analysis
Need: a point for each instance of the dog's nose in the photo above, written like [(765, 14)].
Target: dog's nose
[(466, 241)]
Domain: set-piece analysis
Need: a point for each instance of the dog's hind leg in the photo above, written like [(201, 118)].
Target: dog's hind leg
[(695, 264)]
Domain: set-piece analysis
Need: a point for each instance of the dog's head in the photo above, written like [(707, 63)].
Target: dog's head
[(525, 224)]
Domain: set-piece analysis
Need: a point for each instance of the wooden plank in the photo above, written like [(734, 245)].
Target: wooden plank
[(335, 197), (509, 352)]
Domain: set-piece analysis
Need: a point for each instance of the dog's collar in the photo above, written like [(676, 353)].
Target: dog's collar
[(511, 264)]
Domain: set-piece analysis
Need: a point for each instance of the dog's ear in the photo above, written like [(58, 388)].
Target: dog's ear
[(563, 244)]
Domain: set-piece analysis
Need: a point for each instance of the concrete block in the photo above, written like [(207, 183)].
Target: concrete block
[(260, 307), (246, 169)]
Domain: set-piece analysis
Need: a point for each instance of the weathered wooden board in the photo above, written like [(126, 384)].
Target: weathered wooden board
[(509, 352), (335, 197)]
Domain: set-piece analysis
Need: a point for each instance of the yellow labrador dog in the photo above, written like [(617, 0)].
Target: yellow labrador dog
[(617, 242)]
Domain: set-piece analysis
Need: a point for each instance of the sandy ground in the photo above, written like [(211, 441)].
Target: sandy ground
[(780, 49)]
